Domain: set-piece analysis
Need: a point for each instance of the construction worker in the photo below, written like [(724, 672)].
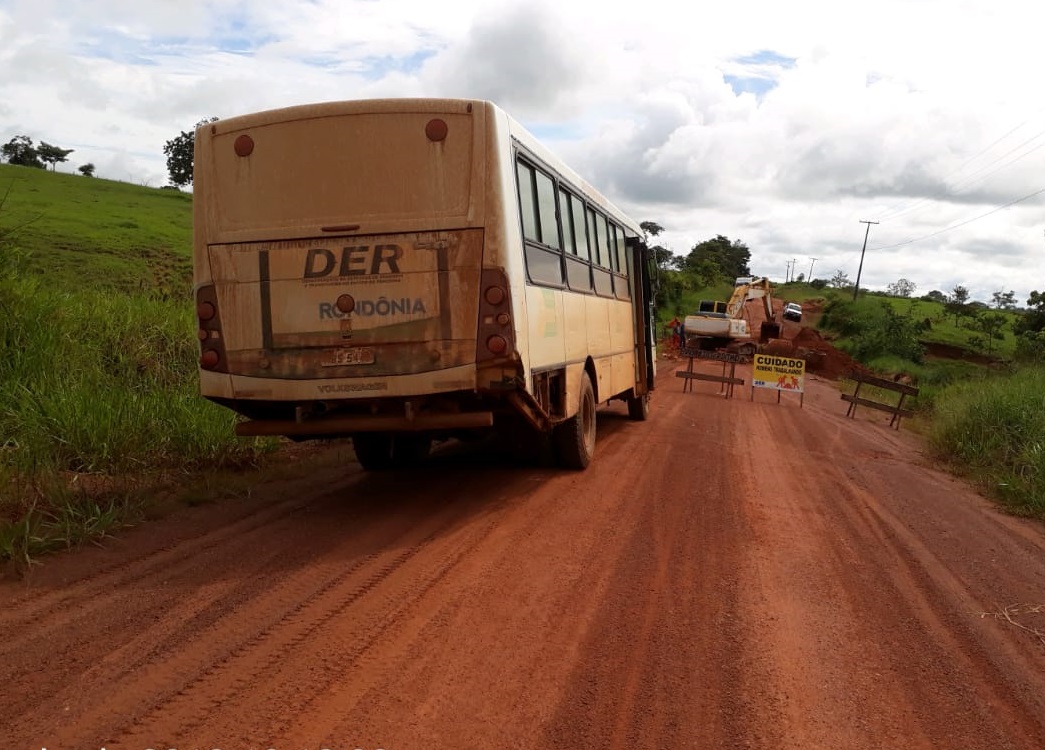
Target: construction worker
[(676, 332)]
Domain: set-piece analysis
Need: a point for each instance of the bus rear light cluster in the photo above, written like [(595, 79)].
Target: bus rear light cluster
[(212, 343), (205, 311), (497, 345), (496, 334), (495, 295)]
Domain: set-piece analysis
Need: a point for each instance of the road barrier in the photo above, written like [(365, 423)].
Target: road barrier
[(896, 410), (728, 360)]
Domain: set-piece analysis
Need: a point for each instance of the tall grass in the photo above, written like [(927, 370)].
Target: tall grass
[(95, 385), (995, 430)]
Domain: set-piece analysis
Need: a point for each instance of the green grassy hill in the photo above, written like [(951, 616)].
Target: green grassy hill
[(87, 232), (99, 398)]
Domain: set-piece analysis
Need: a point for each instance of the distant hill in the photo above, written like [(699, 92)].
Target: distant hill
[(105, 234)]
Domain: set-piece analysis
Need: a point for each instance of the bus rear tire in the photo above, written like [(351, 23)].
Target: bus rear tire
[(638, 407), (373, 450), (408, 450), (575, 438), (379, 451)]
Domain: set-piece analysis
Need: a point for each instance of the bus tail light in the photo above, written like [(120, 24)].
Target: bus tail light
[(496, 334), (497, 345), (212, 343)]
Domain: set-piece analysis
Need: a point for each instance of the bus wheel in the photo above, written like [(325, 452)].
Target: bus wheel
[(408, 450), (373, 450), (575, 438), (638, 407)]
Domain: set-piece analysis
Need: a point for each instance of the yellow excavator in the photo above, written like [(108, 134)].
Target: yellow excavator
[(722, 325)]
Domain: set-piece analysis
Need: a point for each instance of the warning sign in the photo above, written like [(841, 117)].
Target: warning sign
[(779, 373)]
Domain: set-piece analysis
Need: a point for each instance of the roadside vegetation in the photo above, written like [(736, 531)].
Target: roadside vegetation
[(98, 392)]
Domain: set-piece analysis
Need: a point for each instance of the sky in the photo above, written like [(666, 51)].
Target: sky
[(781, 125)]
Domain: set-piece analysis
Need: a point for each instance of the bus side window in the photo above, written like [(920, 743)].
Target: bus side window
[(542, 246), (527, 202), (622, 260), (580, 226), (593, 236), (546, 211), (578, 272), (603, 279), (621, 287)]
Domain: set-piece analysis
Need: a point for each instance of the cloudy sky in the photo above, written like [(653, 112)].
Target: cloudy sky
[(780, 124)]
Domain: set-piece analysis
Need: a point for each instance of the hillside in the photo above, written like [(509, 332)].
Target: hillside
[(84, 231)]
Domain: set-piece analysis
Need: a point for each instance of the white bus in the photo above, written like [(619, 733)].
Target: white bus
[(404, 270)]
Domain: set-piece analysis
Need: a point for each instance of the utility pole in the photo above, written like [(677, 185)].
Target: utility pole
[(794, 267), (787, 273), (812, 261), (856, 289)]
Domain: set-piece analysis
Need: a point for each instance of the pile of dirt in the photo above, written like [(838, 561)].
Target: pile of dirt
[(822, 358)]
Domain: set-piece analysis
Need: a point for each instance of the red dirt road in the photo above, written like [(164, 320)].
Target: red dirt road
[(729, 574)]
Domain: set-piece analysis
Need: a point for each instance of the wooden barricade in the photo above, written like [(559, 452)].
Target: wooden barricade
[(728, 360), (897, 411)]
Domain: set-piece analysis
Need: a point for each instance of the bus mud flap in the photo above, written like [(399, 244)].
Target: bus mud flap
[(528, 407)]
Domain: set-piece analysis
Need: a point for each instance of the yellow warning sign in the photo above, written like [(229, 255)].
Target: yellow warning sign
[(779, 373)]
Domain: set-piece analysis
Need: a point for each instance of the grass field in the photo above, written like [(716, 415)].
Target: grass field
[(98, 389), (946, 329), (85, 232)]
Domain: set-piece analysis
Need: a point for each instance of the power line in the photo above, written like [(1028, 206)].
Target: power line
[(966, 181), (962, 223)]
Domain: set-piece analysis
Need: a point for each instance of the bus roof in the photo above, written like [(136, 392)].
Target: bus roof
[(426, 105)]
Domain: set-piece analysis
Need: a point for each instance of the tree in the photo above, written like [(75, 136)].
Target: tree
[(87, 170), (20, 150), (936, 296), (730, 257), (707, 272), (179, 155), (840, 280), (52, 154), (957, 301), (1004, 300), (651, 228), (991, 323), (662, 256), (1032, 321), (901, 288)]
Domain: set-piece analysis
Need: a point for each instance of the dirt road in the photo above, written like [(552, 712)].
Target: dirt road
[(729, 574)]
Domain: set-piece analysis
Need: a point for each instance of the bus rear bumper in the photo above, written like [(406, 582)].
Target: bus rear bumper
[(346, 425)]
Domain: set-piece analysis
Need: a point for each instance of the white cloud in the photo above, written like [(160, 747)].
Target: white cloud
[(779, 124)]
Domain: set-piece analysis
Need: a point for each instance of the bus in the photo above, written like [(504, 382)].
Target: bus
[(402, 271)]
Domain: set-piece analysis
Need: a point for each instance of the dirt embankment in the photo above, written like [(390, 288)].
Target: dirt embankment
[(798, 339)]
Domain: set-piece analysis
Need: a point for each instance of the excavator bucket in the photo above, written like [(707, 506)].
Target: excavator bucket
[(769, 330)]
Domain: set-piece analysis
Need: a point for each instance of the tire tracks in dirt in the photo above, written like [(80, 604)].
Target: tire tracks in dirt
[(731, 573)]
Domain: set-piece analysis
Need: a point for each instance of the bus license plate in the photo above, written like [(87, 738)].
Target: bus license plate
[(359, 355)]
